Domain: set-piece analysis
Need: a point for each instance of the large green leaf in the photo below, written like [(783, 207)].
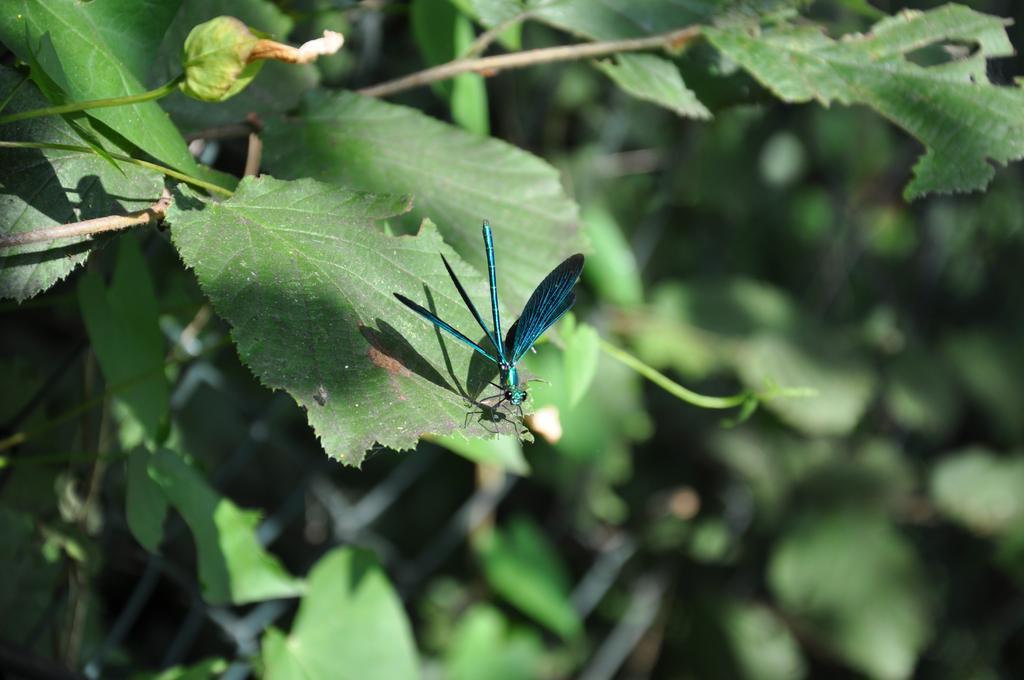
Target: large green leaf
[(962, 119), (484, 645), (457, 179), (856, 585), (131, 28), (46, 187), (275, 89), (525, 569), (981, 490), (233, 567), (123, 328), (654, 79), (307, 283), (66, 39), (350, 625)]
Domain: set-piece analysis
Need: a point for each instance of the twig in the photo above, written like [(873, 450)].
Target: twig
[(152, 214), (480, 45), (254, 154), (547, 55)]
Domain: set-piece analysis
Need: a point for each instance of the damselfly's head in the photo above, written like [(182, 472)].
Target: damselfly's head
[(516, 395)]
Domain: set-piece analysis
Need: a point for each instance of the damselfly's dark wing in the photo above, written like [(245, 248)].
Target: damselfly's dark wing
[(552, 298), (434, 319), (472, 308)]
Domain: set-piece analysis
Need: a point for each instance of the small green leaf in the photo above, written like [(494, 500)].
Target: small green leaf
[(611, 267), (145, 504), (582, 352), (123, 327), (457, 180), (839, 384), (963, 120), (980, 490), (484, 645), (765, 648), (501, 452), (42, 188), (442, 34), (350, 625), (654, 79), (525, 569), (233, 567), (469, 91), (854, 581)]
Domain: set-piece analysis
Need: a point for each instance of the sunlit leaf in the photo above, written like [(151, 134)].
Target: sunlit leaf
[(307, 283), (526, 570), (457, 180), (980, 490), (582, 352), (350, 626), (654, 79), (485, 645), (764, 646), (233, 567)]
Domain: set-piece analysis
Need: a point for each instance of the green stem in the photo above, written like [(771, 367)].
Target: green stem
[(159, 92), (670, 386), (188, 179)]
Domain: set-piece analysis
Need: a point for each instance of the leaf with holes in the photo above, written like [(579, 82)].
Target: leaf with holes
[(962, 119), (307, 282), (457, 180)]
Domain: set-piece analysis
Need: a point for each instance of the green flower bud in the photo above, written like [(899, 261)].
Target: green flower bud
[(216, 58)]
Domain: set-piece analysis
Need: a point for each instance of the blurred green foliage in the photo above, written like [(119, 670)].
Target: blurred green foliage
[(873, 528)]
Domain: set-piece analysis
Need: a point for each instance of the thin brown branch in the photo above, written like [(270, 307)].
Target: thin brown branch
[(152, 214), (547, 55), (480, 45)]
